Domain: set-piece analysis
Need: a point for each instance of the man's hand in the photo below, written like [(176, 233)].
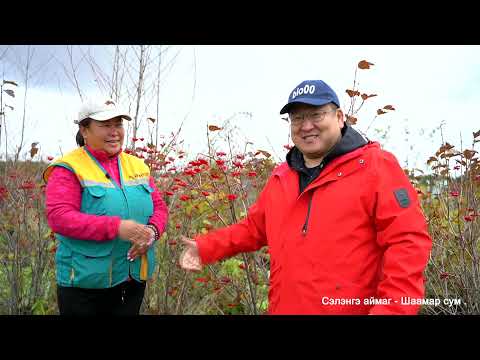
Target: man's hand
[(190, 259), (139, 249)]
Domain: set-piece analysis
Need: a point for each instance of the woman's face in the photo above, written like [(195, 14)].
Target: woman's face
[(105, 135)]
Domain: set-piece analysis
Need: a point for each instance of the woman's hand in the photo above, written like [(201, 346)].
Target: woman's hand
[(134, 232), (140, 249)]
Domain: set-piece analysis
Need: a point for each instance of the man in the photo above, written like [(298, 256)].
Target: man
[(343, 224)]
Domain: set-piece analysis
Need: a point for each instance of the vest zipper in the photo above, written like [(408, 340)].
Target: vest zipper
[(305, 225), (111, 261), (72, 275), (111, 269)]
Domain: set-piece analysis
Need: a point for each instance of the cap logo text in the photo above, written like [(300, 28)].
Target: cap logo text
[(307, 89)]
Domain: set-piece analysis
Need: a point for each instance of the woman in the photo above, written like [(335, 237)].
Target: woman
[(106, 213)]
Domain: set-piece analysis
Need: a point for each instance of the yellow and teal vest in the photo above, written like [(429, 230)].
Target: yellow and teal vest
[(96, 265)]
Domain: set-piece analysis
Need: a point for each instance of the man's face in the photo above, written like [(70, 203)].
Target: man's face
[(315, 129)]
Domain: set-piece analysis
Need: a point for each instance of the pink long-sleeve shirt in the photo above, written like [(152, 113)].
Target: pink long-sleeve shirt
[(64, 197)]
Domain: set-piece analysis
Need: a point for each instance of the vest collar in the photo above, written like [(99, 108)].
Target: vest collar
[(102, 155)]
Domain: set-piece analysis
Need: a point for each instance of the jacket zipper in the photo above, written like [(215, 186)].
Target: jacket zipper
[(305, 225)]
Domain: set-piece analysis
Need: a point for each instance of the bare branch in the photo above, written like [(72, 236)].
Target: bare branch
[(74, 75), (27, 77)]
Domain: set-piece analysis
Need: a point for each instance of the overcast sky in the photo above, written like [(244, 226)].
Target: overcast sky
[(208, 84)]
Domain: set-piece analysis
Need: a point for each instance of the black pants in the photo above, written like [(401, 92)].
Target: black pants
[(124, 299)]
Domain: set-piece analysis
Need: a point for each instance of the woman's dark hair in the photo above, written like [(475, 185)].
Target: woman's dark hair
[(79, 138)]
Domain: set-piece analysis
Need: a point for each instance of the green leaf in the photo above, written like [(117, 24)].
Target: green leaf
[(263, 306), (203, 207), (231, 267), (38, 308)]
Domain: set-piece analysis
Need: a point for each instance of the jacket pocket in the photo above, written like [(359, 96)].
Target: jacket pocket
[(141, 202), (93, 200), (148, 210), (143, 267), (92, 272), (64, 268), (338, 295)]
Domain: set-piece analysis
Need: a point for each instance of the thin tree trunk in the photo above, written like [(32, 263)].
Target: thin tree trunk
[(27, 74), (1, 112), (141, 70), (158, 96)]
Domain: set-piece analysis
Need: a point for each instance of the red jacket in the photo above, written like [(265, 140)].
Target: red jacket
[(365, 240)]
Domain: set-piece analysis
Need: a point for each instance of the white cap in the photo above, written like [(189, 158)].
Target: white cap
[(100, 112)]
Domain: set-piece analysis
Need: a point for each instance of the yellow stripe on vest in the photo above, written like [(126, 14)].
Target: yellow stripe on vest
[(134, 170), (144, 268)]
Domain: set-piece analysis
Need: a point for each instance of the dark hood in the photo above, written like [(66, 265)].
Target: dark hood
[(350, 140)]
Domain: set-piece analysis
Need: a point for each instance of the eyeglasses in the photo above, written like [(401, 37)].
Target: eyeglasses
[(316, 116)]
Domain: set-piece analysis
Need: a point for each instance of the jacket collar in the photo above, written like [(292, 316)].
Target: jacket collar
[(284, 169)]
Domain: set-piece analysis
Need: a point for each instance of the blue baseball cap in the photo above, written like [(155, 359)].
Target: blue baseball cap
[(312, 92)]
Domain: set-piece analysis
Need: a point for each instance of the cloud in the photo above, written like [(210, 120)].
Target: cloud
[(208, 84)]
